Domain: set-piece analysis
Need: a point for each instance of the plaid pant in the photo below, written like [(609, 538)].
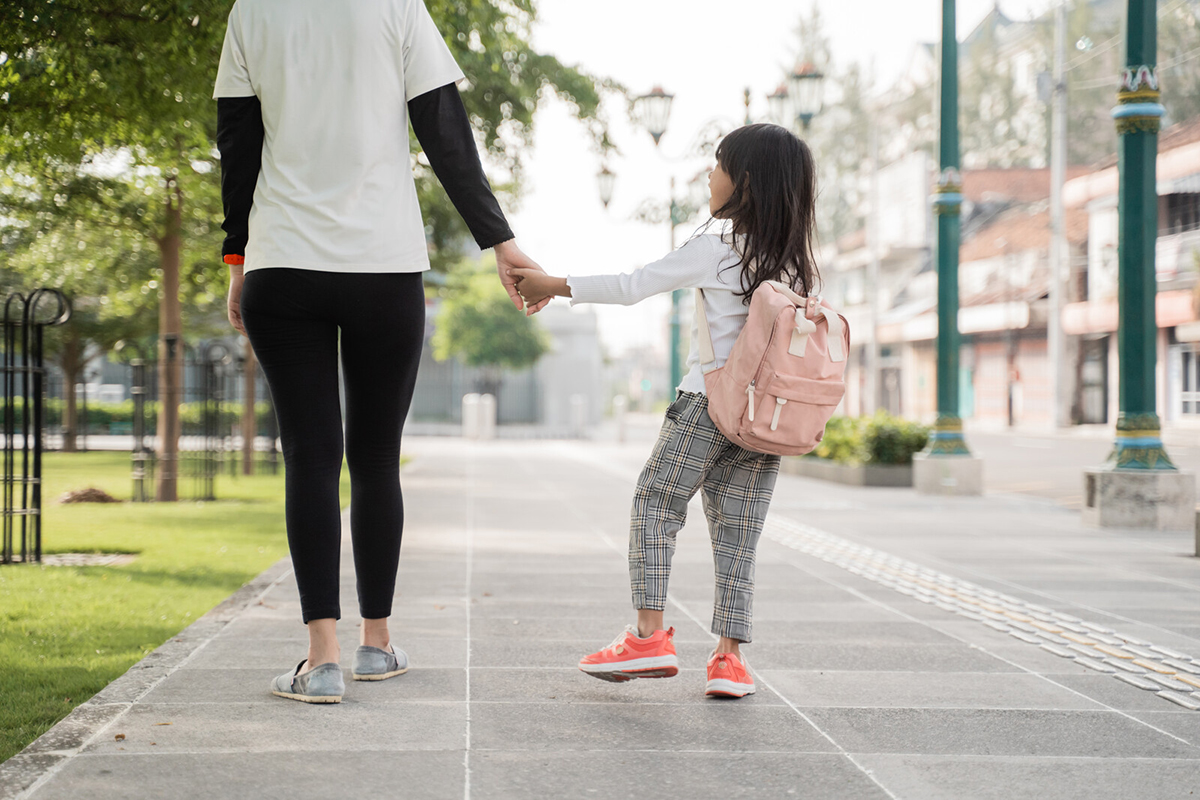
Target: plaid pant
[(691, 454)]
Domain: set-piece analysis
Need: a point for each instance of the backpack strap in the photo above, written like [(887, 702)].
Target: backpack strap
[(708, 358), (805, 326), (837, 350)]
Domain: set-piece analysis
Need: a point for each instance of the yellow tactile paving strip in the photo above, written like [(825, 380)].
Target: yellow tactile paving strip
[(1170, 674)]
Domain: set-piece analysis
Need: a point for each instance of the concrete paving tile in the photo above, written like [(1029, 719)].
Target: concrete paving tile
[(76, 728), (281, 654), (402, 627), (509, 651), (595, 631), (549, 585), (874, 657), (613, 726), (569, 685), (736, 775), (276, 725), (923, 690), (843, 610), (288, 612), (612, 611), (19, 772), (247, 686), (982, 778), (1134, 600), (1185, 725), (1116, 694), (996, 732), (434, 775), (893, 632)]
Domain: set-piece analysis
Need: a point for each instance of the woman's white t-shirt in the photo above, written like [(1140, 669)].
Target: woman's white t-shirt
[(334, 78), (706, 262)]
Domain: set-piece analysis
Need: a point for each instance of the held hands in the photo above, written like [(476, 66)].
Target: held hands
[(509, 261), (538, 288), (514, 267)]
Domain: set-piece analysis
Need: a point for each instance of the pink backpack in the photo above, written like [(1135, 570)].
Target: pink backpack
[(785, 375)]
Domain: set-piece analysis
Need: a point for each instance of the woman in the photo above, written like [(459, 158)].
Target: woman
[(325, 237)]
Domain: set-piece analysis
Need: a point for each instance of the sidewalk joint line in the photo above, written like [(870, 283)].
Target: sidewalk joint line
[(470, 514)]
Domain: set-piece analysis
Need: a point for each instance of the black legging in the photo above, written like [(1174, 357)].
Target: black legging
[(292, 317)]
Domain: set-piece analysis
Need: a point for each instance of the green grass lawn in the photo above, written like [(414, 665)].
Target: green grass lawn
[(66, 632)]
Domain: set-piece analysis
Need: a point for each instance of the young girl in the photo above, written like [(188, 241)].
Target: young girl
[(764, 186)]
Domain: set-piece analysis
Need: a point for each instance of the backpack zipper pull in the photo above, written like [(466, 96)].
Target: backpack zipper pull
[(780, 402), (750, 391)]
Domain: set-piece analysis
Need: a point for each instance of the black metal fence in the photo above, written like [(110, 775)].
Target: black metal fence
[(24, 373), (210, 418)]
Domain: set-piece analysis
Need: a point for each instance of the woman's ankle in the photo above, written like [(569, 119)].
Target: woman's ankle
[(375, 634), (316, 658)]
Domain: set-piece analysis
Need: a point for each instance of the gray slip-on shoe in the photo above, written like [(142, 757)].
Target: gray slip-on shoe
[(321, 684), (373, 664)]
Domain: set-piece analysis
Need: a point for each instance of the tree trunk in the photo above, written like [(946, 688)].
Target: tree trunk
[(249, 419), (71, 365), (170, 348)]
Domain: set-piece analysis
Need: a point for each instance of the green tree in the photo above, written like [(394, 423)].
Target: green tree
[(108, 129), (1178, 57), (840, 135), (478, 325)]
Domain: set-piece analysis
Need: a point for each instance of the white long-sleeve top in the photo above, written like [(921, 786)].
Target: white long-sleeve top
[(707, 262)]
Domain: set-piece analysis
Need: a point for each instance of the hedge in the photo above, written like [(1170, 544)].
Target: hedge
[(881, 439), (102, 415)]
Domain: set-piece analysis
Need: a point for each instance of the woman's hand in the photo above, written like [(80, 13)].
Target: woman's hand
[(236, 278), (537, 288), (508, 258)]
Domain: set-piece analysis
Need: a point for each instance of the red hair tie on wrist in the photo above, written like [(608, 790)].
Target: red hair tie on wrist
[(234, 260)]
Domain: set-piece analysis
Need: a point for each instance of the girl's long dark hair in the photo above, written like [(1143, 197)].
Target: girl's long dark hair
[(772, 208)]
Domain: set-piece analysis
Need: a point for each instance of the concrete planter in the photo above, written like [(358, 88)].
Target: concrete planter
[(862, 475)]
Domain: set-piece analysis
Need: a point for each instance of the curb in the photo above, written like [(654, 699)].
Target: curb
[(27, 769)]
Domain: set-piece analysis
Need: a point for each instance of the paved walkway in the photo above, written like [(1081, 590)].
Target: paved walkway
[(905, 647)]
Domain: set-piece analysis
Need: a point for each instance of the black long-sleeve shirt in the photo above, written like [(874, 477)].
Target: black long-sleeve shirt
[(443, 130)]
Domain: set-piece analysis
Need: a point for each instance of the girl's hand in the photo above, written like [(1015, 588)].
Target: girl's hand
[(536, 286)]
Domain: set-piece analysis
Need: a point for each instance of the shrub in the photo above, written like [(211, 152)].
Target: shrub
[(842, 443), (891, 440), (881, 439), (102, 415)]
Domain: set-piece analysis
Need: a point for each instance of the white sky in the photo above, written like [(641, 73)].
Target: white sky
[(705, 52)]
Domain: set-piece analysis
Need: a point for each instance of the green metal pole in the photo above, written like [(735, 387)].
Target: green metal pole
[(676, 300), (676, 342), (947, 438), (1138, 116)]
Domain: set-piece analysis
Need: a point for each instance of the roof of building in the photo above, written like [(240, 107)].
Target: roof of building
[(1017, 185), (1019, 229), (1178, 135)]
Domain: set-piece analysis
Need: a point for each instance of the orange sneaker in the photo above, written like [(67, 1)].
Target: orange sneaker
[(728, 676), (630, 656)]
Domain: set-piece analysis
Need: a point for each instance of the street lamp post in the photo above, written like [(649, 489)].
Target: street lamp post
[(1138, 487), (806, 88), (654, 111), (946, 466), (606, 180)]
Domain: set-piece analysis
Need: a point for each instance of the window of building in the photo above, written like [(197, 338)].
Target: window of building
[(1183, 212), (1186, 375)]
